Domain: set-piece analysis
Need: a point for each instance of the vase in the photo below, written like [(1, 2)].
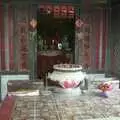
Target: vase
[(104, 94)]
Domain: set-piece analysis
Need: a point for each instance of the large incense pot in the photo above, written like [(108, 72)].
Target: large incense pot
[(67, 75)]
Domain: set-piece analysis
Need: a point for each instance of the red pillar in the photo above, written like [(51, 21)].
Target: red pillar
[(2, 42), (10, 36), (105, 36), (97, 39)]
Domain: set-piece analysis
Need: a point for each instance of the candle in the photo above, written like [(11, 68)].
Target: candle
[(53, 41)]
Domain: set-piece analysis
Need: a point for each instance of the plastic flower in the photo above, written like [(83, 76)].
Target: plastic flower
[(105, 87)]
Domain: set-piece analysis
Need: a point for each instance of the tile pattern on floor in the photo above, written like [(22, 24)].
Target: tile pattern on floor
[(57, 106)]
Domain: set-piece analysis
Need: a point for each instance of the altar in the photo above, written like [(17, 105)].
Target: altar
[(67, 75)]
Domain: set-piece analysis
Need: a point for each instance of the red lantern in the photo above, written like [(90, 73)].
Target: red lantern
[(42, 8), (56, 10), (71, 11), (64, 10), (33, 23)]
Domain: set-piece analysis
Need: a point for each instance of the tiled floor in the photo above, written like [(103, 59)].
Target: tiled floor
[(71, 106)]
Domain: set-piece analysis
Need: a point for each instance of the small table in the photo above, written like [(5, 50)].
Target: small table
[(45, 62)]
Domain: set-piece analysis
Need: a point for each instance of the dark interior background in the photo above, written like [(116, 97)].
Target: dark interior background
[(48, 26)]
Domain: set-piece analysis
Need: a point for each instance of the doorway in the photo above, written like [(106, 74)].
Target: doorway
[(61, 24), (61, 30), (55, 32), (57, 28)]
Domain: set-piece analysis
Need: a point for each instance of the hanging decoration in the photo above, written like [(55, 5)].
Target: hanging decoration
[(79, 23), (71, 11), (33, 23), (64, 11), (42, 9), (56, 11)]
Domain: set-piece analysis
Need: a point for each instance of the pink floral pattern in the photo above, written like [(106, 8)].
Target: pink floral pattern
[(70, 84)]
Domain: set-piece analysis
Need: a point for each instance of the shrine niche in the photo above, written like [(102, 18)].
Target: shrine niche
[(56, 32), (81, 28), (56, 27)]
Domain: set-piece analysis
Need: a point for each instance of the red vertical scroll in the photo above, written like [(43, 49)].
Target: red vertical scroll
[(23, 47)]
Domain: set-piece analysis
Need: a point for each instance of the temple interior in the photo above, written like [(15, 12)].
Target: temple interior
[(59, 60)]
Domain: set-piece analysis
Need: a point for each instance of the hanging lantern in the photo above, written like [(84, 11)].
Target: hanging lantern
[(71, 11), (42, 9), (64, 10), (33, 23), (79, 23), (56, 10)]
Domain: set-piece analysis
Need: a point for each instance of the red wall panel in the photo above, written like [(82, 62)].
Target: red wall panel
[(2, 43)]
